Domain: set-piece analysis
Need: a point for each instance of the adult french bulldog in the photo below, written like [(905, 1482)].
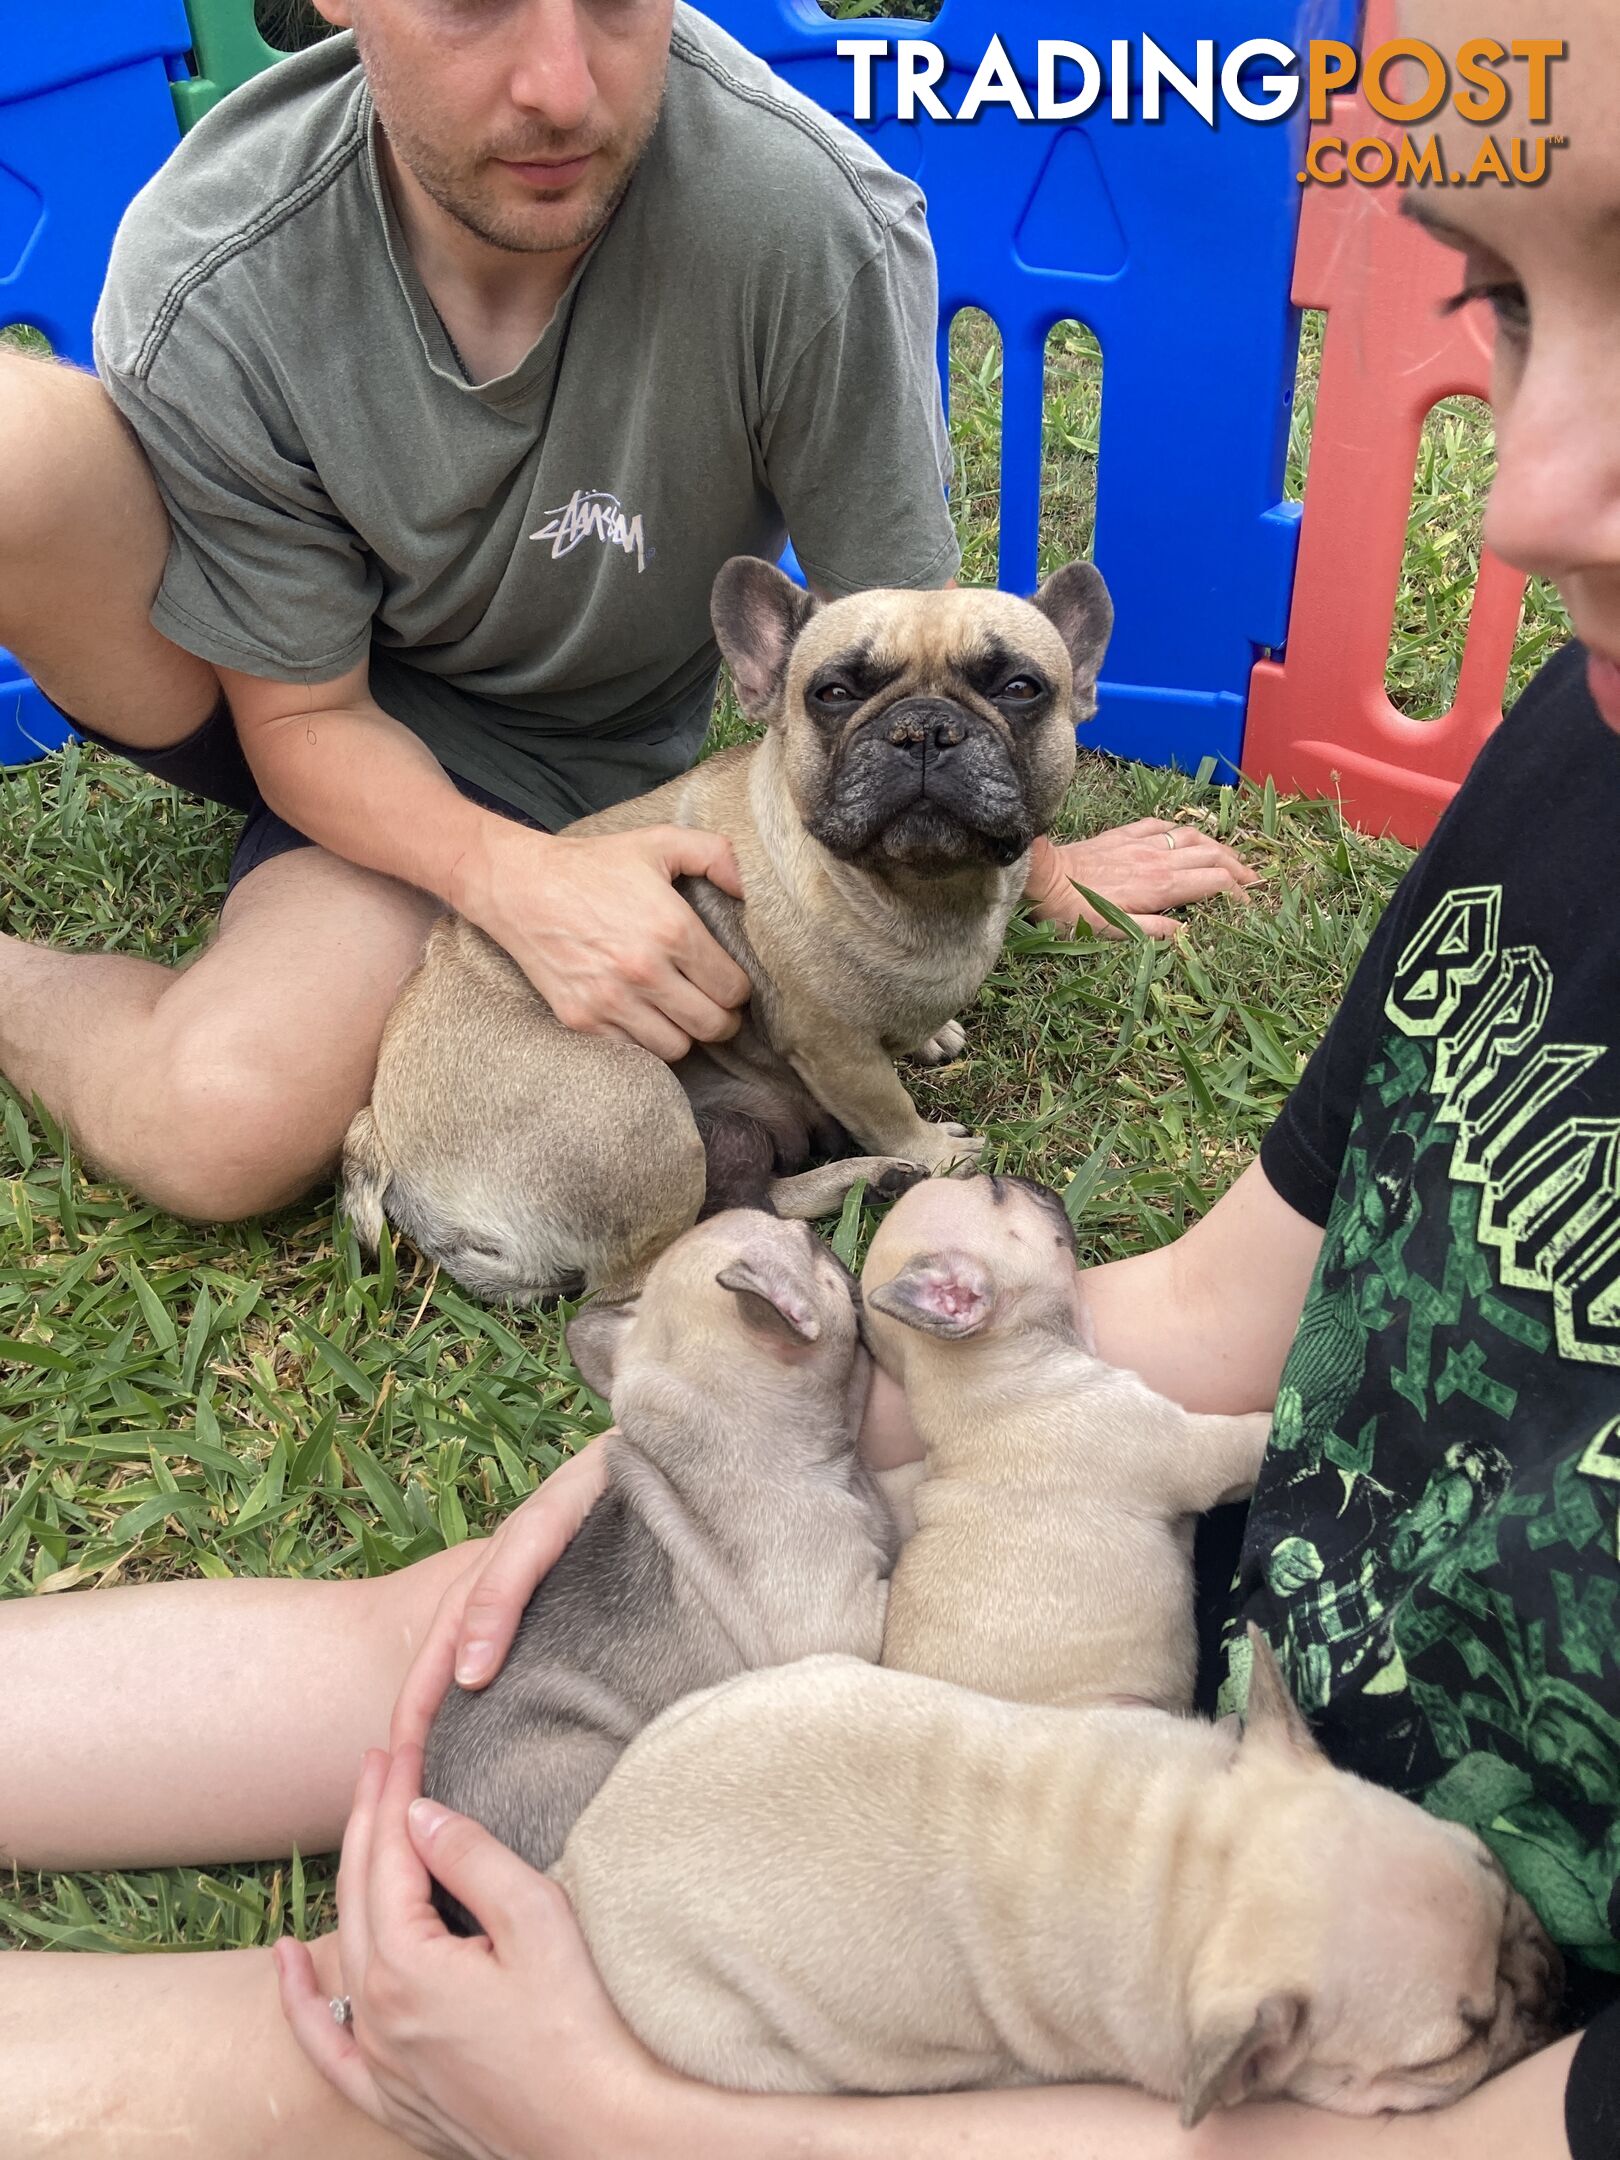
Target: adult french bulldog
[(1052, 1556), (738, 1526), (916, 744), (840, 1878)]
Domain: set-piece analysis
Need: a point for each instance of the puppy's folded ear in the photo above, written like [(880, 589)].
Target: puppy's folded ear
[(1271, 1717), (757, 614), (1075, 602), (1241, 2055), (595, 1337), (771, 1298), (945, 1294)]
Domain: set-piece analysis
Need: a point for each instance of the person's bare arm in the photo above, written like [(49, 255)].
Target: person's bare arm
[(594, 923), (1516, 2115), (1206, 1320)]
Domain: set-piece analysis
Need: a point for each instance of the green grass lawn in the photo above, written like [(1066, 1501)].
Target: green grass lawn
[(256, 1400)]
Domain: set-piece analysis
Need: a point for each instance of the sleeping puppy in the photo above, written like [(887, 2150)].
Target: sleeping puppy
[(838, 1878), (1052, 1560), (738, 1527)]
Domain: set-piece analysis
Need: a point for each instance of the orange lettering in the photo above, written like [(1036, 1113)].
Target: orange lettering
[(1435, 86), (1333, 67), (1476, 63), (1540, 53)]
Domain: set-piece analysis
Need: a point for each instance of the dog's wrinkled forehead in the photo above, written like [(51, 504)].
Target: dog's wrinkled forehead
[(940, 641)]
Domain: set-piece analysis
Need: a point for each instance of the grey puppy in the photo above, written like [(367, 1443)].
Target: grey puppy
[(738, 1528), (916, 744), (1052, 1560)]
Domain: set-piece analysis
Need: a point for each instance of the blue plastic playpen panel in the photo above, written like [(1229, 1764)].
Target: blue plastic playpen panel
[(1173, 241), (86, 118)]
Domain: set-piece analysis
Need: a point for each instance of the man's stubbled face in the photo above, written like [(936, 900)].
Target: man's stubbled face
[(524, 120), (1546, 260)]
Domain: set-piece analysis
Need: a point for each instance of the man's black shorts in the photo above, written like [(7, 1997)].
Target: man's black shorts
[(209, 763)]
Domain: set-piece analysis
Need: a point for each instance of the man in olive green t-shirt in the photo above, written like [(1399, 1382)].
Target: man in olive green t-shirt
[(440, 370)]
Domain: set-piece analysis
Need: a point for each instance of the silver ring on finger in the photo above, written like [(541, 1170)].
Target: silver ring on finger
[(342, 2010), (1170, 842)]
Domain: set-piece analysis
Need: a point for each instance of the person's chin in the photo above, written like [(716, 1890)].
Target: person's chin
[(570, 218)]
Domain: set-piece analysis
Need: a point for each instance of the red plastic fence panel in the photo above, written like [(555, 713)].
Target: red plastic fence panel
[(1319, 719)]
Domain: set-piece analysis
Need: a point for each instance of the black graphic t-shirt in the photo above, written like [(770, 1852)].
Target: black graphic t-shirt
[(1434, 1546)]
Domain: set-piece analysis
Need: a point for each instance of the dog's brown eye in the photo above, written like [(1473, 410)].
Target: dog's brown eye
[(834, 693), (1022, 690)]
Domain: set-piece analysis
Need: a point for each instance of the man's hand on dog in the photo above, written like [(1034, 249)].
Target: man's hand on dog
[(596, 925), (1136, 868)]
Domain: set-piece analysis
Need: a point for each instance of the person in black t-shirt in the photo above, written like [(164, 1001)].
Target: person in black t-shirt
[(1422, 1270)]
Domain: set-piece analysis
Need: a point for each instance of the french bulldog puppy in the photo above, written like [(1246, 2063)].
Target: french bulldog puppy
[(916, 743), (840, 1878), (738, 1526), (1052, 1559)]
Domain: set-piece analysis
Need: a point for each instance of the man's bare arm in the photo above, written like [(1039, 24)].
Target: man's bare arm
[(594, 923)]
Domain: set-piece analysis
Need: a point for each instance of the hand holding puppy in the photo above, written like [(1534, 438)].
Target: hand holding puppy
[(478, 1615), (439, 2021), (596, 925)]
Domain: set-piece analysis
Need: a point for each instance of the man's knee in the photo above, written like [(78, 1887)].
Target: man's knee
[(245, 1135)]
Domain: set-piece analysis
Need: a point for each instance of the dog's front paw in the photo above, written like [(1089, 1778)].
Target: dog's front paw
[(952, 1150), (895, 1178), (940, 1049)]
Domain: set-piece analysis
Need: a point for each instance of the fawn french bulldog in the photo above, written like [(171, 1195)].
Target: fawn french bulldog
[(834, 1877), (916, 744), (1052, 1558)]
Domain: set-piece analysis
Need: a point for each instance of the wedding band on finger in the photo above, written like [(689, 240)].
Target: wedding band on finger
[(1170, 842), (342, 2010)]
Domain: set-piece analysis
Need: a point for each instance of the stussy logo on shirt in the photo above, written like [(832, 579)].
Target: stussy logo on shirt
[(592, 513)]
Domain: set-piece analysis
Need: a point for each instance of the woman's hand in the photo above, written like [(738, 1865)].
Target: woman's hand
[(478, 1615), (1136, 868), (495, 2047)]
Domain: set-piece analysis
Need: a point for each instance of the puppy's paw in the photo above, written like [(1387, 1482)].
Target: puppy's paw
[(954, 1151), (896, 1178), (940, 1049)]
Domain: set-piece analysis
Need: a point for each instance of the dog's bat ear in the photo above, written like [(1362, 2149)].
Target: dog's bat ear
[(1075, 602), (771, 1298), (595, 1337), (1271, 1714), (1238, 2057), (945, 1294), (757, 614)]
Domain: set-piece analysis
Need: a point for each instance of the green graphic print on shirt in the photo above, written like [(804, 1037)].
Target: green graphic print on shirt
[(1433, 1547)]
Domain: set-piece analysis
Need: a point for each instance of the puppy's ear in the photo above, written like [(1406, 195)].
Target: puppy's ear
[(771, 1297), (595, 1337), (1075, 602), (1271, 1716), (1239, 2056), (945, 1294), (757, 615)]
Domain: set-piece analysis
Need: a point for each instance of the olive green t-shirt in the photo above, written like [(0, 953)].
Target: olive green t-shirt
[(747, 352)]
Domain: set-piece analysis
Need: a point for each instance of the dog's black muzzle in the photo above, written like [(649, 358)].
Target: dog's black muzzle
[(926, 784)]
